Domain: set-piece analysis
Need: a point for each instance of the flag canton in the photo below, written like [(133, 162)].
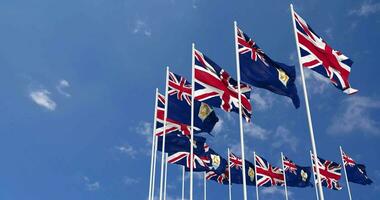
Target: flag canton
[(236, 167), (268, 175), (179, 87), (317, 55), (216, 87)]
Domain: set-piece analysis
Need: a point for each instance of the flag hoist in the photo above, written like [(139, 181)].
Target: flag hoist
[(313, 145)]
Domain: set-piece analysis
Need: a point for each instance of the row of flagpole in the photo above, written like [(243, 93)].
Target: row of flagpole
[(162, 191)]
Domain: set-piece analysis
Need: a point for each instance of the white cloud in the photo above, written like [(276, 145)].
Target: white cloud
[(141, 27), (275, 191), (91, 186), (145, 129), (61, 86), (283, 137), (41, 98), (262, 100), (316, 83), (130, 180), (218, 126), (127, 149), (255, 131), (355, 114), (367, 8)]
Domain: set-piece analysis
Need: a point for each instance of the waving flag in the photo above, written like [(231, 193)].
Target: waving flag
[(317, 55), (179, 106), (330, 173), (296, 176), (236, 168), (268, 175), (175, 142), (356, 173), (214, 86), (259, 70), (220, 178)]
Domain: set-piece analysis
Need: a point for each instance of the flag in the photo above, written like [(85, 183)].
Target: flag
[(356, 173), (236, 168), (329, 172), (268, 175), (214, 86), (259, 70), (179, 106), (296, 176), (222, 178), (176, 142), (317, 55), (218, 170)]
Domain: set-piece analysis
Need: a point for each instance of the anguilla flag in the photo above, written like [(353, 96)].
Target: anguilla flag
[(356, 173), (236, 167), (175, 142), (179, 106), (215, 86), (259, 70), (317, 55), (296, 176)]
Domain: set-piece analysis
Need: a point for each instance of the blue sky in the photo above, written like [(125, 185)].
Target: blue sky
[(78, 80)]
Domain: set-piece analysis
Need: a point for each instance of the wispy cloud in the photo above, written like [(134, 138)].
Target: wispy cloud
[(316, 82), (366, 8), (255, 131), (141, 27), (262, 100), (127, 149), (130, 181), (145, 129), (41, 97), (275, 191), (355, 114), (61, 86), (283, 137), (218, 126), (91, 186)]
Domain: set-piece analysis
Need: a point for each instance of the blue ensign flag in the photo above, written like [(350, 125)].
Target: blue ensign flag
[(236, 168), (296, 176), (257, 69), (356, 173)]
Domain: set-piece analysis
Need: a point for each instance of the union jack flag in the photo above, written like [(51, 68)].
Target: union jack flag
[(329, 172), (200, 163), (267, 175), (235, 162), (289, 165), (317, 55), (356, 173), (215, 86)]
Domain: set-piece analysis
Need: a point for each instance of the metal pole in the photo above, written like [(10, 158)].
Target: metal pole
[(183, 182), (229, 176), (154, 167), (164, 136), (204, 186), (345, 174), (314, 147), (192, 122), (257, 187), (315, 182), (283, 169), (166, 174), (152, 162), (240, 114)]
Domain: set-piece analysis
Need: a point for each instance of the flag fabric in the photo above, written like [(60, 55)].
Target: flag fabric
[(259, 70), (317, 55), (218, 170), (222, 178), (215, 86), (179, 106), (171, 125), (236, 167), (296, 176), (329, 172), (176, 142), (356, 173), (268, 175)]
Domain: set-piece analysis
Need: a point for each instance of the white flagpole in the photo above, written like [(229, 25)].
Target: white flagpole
[(152, 161), (204, 186), (315, 182), (283, 170), (164, 135), (257, 187), (314, 147), (229, 176), (345, 173), (240, 114), (183, 182), (192, 122), (166, 174), (154, 167)]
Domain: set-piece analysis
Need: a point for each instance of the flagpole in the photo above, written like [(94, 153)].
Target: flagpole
[(166, 174), (257, 188), (283, 170), (164, 135), (192, 122), (183, 182), (314, 148), (204, 187), (154, 167), (240, 114), (315, 182), (153, 146), (229, 176), (345, 173)]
